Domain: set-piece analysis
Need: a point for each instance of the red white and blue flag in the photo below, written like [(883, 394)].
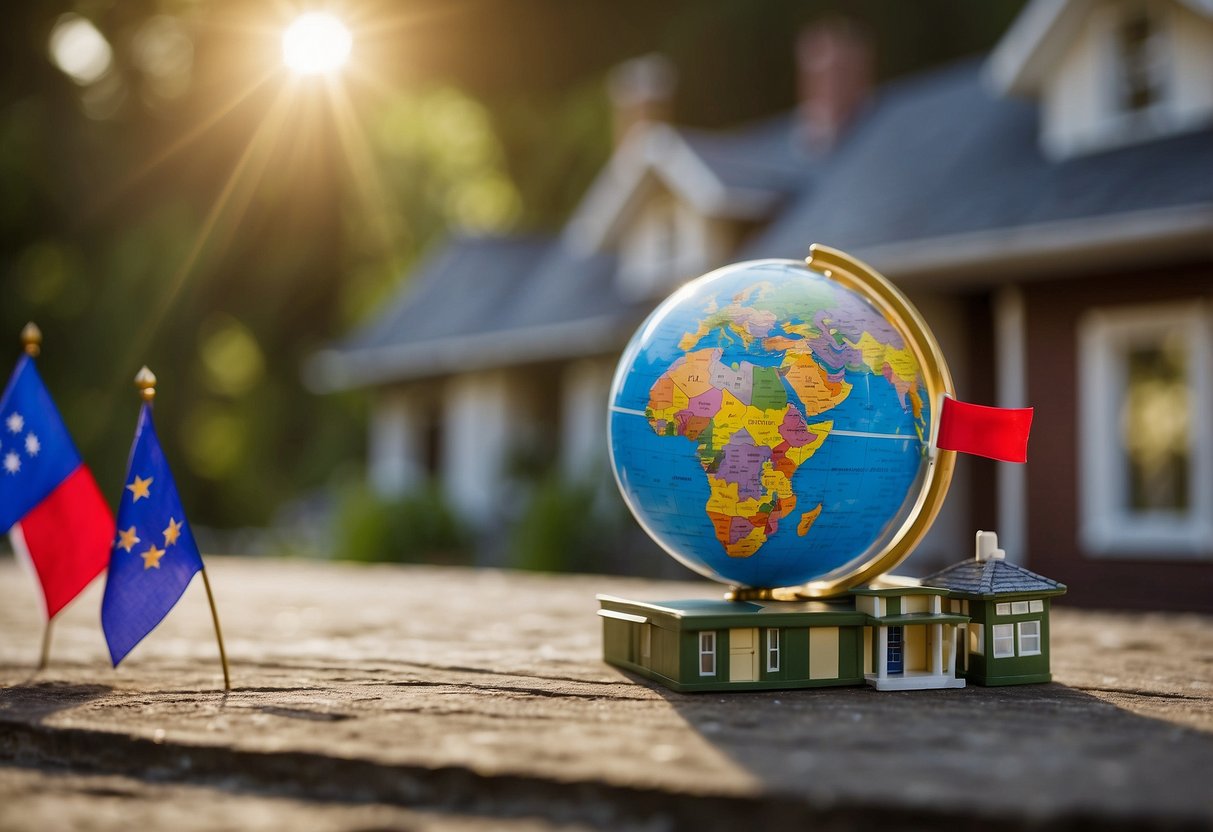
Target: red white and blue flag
[(49, 501)]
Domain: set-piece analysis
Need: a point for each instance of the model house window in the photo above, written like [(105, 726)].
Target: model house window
[(1019, 608), (1029, 638), (1004, 641), (707, 654), (772, 650), (1146, 482), (1002, 609), (646, 641), (1036, 606), (977, 639)]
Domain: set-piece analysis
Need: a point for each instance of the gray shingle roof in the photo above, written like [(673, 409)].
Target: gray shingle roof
[(769, 154), (486, 302), (939, 155), (936, 156), (992, 577)]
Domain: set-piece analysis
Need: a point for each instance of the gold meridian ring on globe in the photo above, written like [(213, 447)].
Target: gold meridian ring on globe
[(773, 424)]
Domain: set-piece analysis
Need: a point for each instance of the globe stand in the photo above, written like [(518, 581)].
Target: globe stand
[(831, 630)]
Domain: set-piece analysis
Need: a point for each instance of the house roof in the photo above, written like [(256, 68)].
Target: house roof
[(484, 301), (939, 180), (941, 168), (992, 577), (740, 174)]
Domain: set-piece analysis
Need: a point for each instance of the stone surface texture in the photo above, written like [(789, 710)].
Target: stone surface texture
[(387, 697)]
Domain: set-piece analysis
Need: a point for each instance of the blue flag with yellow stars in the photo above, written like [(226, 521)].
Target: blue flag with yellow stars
[(154, 556)]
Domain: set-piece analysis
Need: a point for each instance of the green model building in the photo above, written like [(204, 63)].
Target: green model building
[(907, 637), (1008, 607)]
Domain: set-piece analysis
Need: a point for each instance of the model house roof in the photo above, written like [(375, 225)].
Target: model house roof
[(992, 577)]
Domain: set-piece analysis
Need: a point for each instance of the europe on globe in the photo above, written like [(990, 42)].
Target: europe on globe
[(771, 424)]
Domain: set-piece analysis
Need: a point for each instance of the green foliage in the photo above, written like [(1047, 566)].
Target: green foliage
[(567, 527), (418, 527)]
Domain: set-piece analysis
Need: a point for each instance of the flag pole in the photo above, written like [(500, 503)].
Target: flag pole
[(145, 380), (210, 596), (31, 340), (46, 646)]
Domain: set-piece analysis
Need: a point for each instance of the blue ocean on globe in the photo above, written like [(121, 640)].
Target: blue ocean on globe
[(769, 426)]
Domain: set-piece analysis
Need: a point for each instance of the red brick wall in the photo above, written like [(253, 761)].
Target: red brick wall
[(1053, 313)]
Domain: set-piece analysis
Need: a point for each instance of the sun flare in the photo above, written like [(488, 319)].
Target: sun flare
[(316, 43)]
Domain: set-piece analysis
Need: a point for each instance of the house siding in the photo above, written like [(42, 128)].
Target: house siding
[(1053, 313)]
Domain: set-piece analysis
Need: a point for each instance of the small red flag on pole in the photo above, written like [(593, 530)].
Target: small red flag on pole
[(995, 432)]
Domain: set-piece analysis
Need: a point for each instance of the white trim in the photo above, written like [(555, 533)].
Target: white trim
[(1037, 40), (1047, 249), (1019, 634), (1106, 529), (773, 649), (707, 635), (623, 616), (1010, 317), (333, 370), (657, 153), (1003, 633)]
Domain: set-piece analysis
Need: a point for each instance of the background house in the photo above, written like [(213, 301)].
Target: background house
[(1049, 208)]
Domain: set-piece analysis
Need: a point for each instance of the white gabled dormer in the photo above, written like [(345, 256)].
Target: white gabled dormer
[(1110, 72), (665, 212)]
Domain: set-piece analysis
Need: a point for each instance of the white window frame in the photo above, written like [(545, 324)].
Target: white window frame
[(1019, 607), (773, 649), (1106, 529), (707, 648), (1003, 608), (1036, 605), (1033, 624), (1004, 641)]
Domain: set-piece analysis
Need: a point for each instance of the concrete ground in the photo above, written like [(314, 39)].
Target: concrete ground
[(384, 697)]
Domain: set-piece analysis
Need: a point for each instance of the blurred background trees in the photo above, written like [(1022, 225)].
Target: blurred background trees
[(173, 196)]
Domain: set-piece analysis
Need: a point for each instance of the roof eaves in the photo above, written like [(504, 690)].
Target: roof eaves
[(335, 370), (1042, 249)]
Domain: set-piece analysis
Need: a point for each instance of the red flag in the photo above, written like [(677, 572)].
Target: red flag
[(994, 432), (48, 498), (67, 538)]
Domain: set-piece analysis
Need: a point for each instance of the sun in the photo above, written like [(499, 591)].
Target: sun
[(316, 43)]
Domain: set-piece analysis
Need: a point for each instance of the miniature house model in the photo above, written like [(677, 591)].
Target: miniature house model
[(983, 620)]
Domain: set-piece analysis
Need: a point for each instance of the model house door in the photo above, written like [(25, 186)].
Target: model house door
[(743, 655), (896, 661)]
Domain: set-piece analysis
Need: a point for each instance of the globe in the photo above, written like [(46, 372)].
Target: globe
[(771, 424)]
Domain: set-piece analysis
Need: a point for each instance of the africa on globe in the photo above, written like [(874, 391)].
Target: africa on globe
[(771, 424)]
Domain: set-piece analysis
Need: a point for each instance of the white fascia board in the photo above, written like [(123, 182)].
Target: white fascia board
[(609, 195), (1048, 249), (331, 371), (1035, 41), (657, 152)]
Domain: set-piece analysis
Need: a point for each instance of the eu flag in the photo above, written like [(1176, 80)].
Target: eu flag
[(155, 555)]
